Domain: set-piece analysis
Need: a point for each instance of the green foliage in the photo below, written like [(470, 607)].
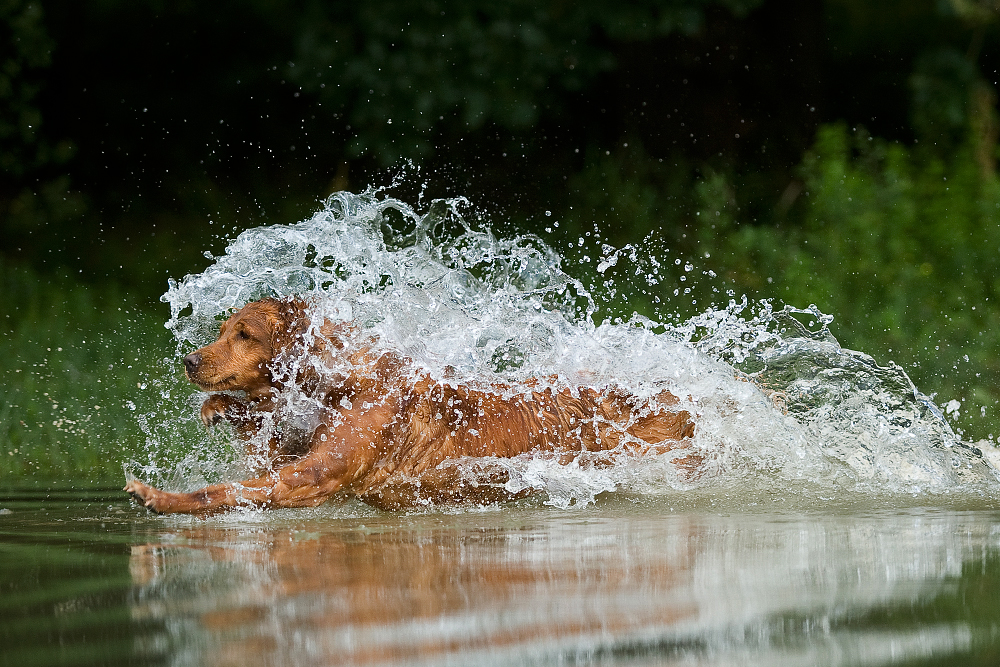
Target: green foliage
[(900, 246), (903, 249), (637, 205), (25, 150), (75, 366), (942, 82)]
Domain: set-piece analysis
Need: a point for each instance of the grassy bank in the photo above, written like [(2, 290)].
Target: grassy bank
[(79, 368)]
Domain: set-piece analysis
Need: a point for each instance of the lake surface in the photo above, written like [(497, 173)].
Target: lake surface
[(88, 578)]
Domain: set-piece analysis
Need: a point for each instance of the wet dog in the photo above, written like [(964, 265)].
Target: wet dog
[(384, 431)]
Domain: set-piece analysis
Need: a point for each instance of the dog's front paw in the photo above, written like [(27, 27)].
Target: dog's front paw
[(145, 495), (216, 407)]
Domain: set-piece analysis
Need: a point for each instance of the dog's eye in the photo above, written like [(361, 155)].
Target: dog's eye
[(242, 335)]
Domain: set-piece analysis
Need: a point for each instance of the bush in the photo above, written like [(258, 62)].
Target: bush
[(902, 248)]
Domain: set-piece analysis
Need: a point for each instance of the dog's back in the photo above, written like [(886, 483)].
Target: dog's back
[(440, 424)]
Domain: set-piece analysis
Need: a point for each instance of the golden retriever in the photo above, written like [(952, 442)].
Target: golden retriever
[(387, 433)]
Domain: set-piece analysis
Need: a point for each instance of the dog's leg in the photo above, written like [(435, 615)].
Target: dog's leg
[(219, 407), (248, 419), (245, 416), (305, 483), (210, 499), (339, 456)]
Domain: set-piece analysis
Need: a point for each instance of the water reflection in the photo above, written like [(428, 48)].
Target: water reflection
[(621, 582)]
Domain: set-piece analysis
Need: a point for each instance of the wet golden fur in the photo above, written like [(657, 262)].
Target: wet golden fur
[(386, 433)]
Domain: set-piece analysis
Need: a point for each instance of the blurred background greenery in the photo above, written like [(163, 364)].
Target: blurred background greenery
[(841, 153)]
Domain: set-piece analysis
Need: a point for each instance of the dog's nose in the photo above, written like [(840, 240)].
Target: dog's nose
[(191, 362)]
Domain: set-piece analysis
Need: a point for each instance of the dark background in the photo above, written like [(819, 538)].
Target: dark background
[(125, 127), (840, 153)]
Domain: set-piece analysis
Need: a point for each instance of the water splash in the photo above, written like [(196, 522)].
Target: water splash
[(847, 407), (777, 399)]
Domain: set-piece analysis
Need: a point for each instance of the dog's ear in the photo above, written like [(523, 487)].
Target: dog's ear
[(295, 359), (307, 361), (290, 324)]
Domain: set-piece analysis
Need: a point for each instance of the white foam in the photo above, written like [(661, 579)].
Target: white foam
[(776, 400)]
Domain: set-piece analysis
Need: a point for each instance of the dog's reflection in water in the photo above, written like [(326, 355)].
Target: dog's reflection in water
[(393, 593)]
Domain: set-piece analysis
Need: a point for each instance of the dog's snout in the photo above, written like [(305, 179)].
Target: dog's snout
[(192, 361)]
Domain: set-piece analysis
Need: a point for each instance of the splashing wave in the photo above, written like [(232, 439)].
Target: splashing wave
[(778, 400)]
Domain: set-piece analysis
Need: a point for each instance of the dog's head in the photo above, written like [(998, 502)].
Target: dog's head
[(241, 359)]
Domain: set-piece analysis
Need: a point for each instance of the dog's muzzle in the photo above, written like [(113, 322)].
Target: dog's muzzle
[(191, 363)]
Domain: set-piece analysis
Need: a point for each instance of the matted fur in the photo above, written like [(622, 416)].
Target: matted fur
[(388, 434)]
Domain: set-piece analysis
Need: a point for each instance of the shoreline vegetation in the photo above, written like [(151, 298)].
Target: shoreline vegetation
[(900, 248), (839, 153)]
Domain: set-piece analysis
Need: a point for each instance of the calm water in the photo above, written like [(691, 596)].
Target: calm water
[(86, 578)]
